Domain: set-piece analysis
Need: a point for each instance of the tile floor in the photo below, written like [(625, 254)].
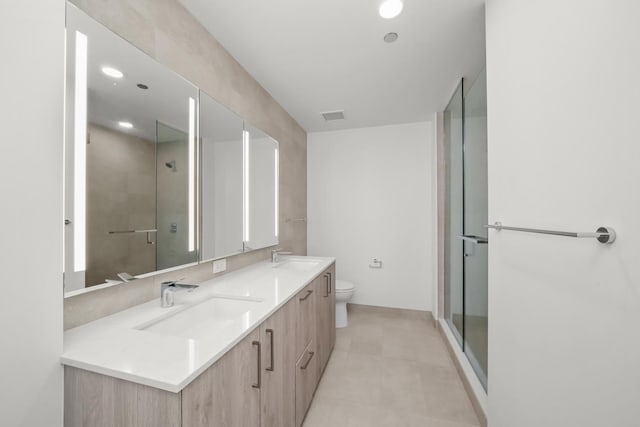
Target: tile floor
[(390, 368)]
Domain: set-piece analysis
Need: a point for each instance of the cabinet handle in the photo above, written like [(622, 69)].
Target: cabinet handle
[(309, 292), (306, 364), (270, 332), (330, 280), (326, 290), (257, 344)]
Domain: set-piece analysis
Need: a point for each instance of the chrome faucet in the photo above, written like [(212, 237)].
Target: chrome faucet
[(275, 255), (168, 289)]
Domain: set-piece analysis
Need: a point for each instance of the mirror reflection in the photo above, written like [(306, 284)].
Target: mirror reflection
[(261, 157), (222, 179), (130, 160)]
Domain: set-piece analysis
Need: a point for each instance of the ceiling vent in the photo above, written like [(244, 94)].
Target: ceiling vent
[(333, 115)]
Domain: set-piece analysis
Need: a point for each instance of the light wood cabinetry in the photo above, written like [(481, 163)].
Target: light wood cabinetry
[(325, 317), (95, 400), (278, 337), (267, 380), (306, 374), (305, 317), (228, 393)]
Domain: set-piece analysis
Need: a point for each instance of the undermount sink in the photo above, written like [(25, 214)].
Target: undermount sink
[(204, 318), (298, 264)]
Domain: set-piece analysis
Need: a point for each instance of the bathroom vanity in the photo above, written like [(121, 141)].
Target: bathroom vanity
[(244, 349)]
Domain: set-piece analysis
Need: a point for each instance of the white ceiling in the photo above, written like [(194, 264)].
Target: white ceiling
[(110, 100), (323, 55)]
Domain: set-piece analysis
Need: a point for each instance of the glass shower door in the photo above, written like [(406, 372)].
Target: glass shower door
[(466, 244), (454, 269), (475, 217)]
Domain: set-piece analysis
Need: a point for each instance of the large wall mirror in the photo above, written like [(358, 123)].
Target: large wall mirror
[(239, 183), (130, 154), (134, 157), (222, 180), (261, 166)]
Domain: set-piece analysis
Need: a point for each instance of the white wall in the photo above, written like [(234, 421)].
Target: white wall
[(32, 46), (222, 198), (262, 192), (370, 195), (563, 154)]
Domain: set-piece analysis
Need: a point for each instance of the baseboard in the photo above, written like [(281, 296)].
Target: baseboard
[(472, 385), (418, 314)]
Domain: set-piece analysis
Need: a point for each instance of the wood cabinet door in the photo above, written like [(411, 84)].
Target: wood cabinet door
[(306, 374), (325, 318), (323, 323), (305, 302), (228, 393), (96, 400), (278, 337), (332, 306)]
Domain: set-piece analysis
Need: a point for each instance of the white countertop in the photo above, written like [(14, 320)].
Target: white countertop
[(116, 346)]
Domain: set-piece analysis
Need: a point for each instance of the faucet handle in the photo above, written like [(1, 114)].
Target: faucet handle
[(175, 284), (281, 251), (275, 254)]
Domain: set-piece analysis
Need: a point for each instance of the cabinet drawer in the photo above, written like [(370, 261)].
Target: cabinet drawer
[(305, 317), (306, 372)]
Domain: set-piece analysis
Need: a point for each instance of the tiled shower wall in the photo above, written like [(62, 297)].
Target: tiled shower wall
[(167, 32), (121, 196)]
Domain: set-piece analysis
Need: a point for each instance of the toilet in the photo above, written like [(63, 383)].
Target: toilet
[(344, 292)]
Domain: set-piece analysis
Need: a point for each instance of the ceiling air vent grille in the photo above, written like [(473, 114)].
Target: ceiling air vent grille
[(333, 115)]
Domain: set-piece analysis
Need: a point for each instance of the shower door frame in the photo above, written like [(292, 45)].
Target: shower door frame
[(445, 216)]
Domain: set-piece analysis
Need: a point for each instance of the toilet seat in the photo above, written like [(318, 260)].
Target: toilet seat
[(344, 286)]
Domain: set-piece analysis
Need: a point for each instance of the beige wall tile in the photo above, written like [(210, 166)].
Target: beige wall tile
[(120, 196)]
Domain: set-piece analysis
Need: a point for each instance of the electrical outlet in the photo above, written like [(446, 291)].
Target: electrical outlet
[(219, 265)]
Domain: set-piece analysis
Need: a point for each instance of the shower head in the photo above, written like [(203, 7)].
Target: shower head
[(171, 165)]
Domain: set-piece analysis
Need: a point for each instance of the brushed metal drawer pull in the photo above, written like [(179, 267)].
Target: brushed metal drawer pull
[(309, 292), (330, 280), (270, 332), (306, 364), (327, 292), (257, 344)]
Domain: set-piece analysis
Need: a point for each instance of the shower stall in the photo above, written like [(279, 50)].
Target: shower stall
[(465, 237)]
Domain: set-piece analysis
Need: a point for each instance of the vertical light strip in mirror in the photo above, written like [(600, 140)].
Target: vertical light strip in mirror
[(65, 147), (245, 179), (277, 179), (192, 174), (80, 153)]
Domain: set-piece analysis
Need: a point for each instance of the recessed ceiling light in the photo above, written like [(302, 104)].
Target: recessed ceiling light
[(125, 125), (112, 72), (390, 8), (390, 37)]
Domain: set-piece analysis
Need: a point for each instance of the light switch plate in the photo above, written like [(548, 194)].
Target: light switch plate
[(219, 265)]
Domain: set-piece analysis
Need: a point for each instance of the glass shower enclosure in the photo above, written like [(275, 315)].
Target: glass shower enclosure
[(466, 211)]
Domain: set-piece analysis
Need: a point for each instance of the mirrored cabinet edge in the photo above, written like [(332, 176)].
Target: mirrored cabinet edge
[(135, 197)]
